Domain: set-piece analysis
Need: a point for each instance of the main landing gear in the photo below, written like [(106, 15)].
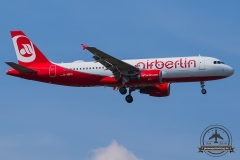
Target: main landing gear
[(129, 98), (204, 91), (123, 91)]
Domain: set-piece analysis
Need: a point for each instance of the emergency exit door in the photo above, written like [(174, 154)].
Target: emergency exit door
[(52, 71)]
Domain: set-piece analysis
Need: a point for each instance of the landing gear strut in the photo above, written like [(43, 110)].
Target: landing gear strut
[(204, 91), (129, 97), (123, 89)]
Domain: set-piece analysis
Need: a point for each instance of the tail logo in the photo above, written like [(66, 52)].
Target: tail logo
[(27, 51), (24, 49)]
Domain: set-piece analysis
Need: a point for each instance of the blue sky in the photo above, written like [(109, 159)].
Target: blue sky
[(43, 121)]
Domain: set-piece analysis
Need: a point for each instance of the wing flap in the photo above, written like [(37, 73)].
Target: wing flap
[(20, 68)]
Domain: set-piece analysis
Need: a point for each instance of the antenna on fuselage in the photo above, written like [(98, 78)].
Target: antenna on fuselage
[(199, 55)]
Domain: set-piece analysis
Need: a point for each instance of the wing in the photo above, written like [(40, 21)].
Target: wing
[(118, 67), (213, 136), (220, 137)]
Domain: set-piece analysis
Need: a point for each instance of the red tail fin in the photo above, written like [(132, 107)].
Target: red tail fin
[(27, 53)]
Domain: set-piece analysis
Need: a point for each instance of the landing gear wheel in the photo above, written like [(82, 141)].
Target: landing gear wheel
[(202, 86), (122, 90), (129, 98), (204, 91)]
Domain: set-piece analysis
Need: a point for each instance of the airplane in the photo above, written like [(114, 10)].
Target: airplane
[(216, 136), (151, 76)]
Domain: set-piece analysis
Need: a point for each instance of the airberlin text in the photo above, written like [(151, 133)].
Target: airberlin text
[(180, 63), (150, 75)]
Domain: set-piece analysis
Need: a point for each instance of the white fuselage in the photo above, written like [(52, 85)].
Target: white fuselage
[(176, 67)]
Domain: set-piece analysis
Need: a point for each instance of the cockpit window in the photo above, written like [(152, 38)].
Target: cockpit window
[(218, 62)]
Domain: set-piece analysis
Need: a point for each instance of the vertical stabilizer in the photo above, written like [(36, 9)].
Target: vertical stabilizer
[(27, 53)]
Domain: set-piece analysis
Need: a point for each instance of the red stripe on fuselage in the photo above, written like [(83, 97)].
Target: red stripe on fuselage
[(60, 76)]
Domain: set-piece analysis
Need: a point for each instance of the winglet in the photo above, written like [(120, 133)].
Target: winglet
[(84, 46)]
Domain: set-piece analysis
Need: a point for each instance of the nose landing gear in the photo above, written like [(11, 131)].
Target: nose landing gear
[(204, 91)]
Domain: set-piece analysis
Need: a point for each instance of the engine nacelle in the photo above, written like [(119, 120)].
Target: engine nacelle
[(160, 90), (148, 76)]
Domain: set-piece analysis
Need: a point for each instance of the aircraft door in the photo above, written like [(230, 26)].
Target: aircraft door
[(201, 61), (52, 71)]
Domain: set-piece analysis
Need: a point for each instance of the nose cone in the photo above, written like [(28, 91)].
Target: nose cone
[(229, 71)]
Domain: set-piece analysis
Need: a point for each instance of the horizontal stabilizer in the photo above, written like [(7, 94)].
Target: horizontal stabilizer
[(20, 68)]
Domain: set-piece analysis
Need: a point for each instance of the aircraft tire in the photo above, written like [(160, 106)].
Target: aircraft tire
[(129, 98), (123, 90), (204, 91)]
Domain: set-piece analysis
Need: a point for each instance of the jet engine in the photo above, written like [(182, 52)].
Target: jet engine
[(148, 76), (159, 90)]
